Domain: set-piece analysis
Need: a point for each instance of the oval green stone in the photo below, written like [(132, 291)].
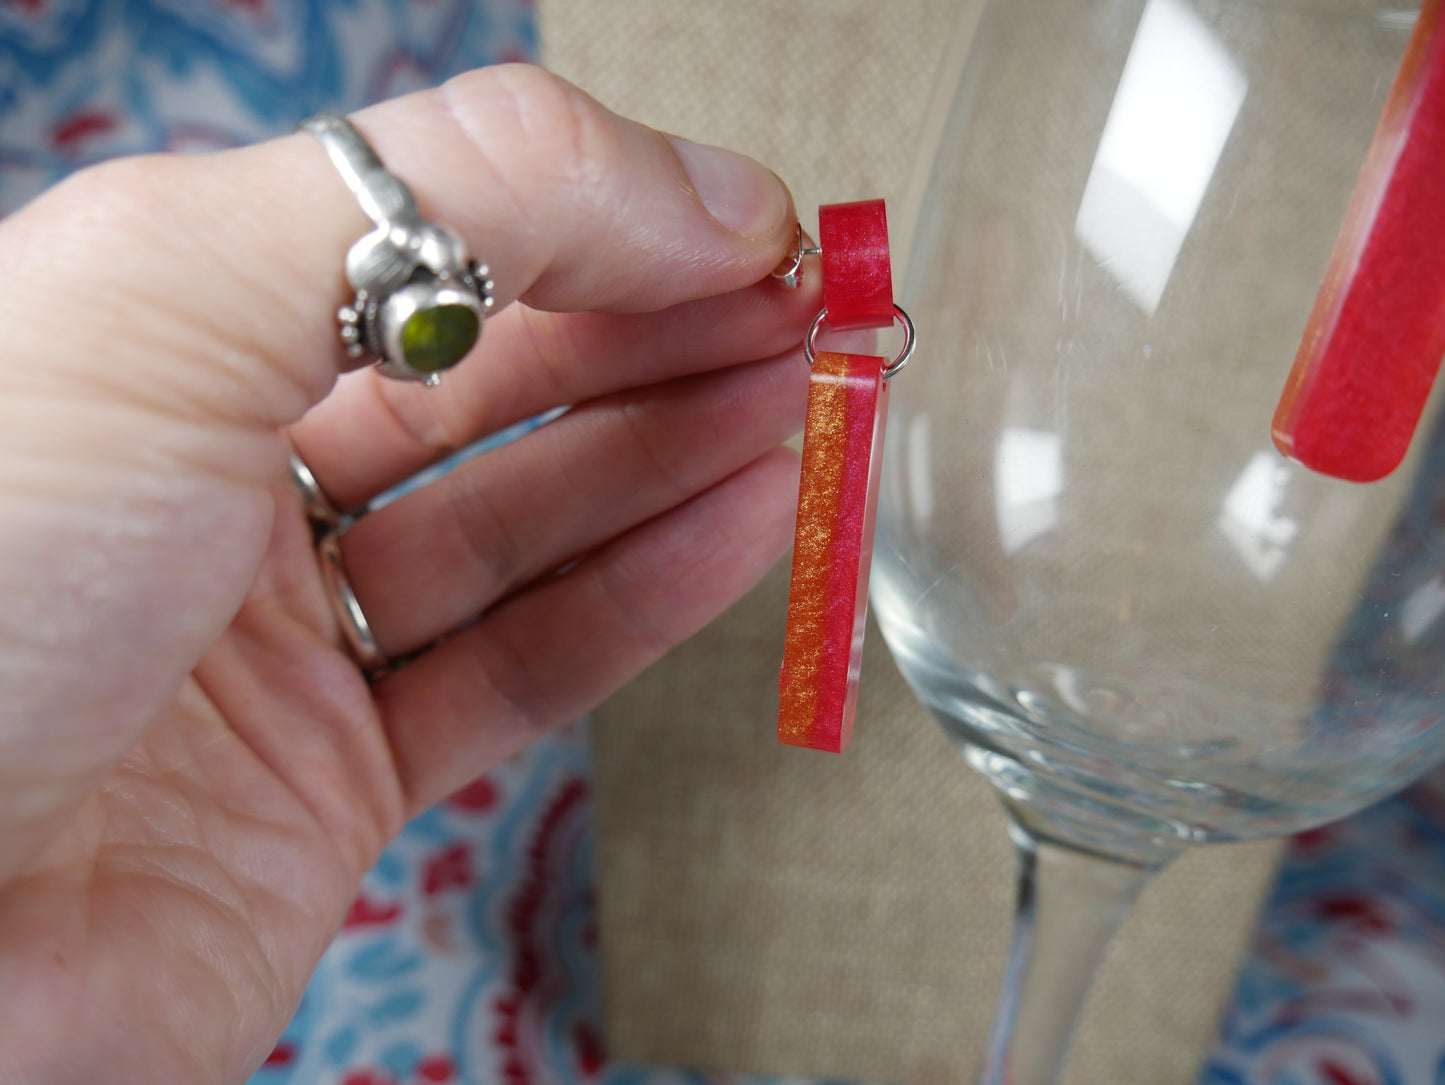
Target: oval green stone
[(438, 338)]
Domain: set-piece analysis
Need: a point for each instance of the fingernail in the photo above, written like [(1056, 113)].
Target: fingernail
[(737, 191)]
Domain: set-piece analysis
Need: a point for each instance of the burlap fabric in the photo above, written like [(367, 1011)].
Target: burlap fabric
[(777, 911)]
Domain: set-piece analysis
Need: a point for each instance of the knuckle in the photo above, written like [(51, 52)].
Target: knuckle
[(665, 470), (549, 344), (642, 631), (415, 416), (493, 550), (524, 96), (564, 137)]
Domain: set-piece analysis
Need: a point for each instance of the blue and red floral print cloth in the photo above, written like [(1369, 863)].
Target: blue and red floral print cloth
[(1345, 984)]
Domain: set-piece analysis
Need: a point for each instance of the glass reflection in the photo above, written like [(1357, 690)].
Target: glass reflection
[(1028, 479), (919, 460), (1422, 609), (1251, 520), (1177, 100)]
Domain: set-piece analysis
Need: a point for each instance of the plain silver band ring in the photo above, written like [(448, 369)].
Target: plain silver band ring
[(329, 523), (354, 627), (321, 512)]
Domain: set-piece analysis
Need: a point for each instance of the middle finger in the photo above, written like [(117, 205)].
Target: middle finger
[(433, 560)]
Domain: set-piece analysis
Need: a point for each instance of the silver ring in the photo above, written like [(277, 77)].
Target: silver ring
[(321, 513), (420, 298), (910, 340), (354, 627)]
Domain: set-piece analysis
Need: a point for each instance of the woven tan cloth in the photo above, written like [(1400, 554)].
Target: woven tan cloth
[(772, 910)]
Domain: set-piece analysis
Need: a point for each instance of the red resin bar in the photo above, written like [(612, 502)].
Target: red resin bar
[(1377, 334), (828, 595), (857, 274)]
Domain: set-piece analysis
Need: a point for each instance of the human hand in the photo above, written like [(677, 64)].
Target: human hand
[(193, 772)]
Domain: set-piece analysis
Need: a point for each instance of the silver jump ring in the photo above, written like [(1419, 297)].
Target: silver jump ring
[(420, 298), (890, 371), (354, 627)]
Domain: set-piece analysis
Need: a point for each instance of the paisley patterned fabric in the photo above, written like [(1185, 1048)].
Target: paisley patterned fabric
[(83, 80), (1346, 983), (470, 953)]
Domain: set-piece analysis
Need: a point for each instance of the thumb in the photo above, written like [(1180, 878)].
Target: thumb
[(215, 279)]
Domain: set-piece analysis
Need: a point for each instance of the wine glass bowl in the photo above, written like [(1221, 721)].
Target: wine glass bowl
[(1141, 621), (1091, 560)]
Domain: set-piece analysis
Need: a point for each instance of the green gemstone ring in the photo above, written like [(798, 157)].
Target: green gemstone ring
[(420, 298)]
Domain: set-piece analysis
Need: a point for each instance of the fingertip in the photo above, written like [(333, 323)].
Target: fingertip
[(740, 193), (605, 213)]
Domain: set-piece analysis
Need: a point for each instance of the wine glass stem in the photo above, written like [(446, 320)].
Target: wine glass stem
[(1070, 902)]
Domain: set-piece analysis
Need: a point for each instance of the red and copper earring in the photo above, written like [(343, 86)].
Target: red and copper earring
[(842, 452), (1377, 334)]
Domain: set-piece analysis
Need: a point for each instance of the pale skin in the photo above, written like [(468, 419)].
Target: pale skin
[(193, 772)]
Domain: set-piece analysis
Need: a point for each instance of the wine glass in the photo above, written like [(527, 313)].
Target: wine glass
[(1141, 622)]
